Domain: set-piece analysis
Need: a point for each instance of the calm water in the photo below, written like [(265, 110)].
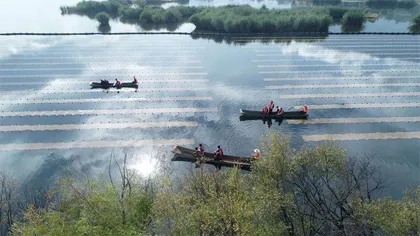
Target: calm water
[(203, 85)]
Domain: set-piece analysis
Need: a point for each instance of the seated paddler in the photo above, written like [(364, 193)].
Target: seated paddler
[(134, 80), (117, 83), (218, 154), (279, 111)]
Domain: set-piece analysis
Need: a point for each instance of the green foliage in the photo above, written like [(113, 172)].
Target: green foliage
[(245, 19), (353, 18), (91, 208), (397, 217), (129, 13), (207, 203), (337, 13), (91, 8), (172, 15), (103, 18), (416, 19)]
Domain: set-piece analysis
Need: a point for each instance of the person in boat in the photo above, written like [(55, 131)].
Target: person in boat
[(102, 82), (117, 83), (199, 150), (305, 108), (270, 107), (279, 111), (257, 154), (134, 80), (265, 111), (218, 154)]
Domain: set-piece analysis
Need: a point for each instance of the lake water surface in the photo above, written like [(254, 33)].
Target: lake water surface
[(362, 91)]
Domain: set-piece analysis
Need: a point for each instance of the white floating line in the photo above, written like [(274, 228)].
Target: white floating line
[(106, 100), (103, 75), (297, 39), (323, 65), (337, 59), (357, 120), (362, 105), (95, 144), (101, 57), (88, 81), (341, 78), (376, 53), (34, 91), (339, 46), (81, 63), (339, 95), (105, 112), (101, 68), (17, 128), (336, 49), (361, 136), (314, 86), (336, 71), (75, 52), (94, 48), (332, 46)]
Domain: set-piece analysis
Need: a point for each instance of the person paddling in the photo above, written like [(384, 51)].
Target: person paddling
[(135, 80), (270, 107), (117, 83)]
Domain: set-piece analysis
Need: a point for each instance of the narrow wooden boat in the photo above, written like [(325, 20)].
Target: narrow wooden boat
[(187, 155), (257, 115), (111, 85)]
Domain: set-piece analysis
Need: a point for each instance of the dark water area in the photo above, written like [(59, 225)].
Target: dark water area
[(203, 85)]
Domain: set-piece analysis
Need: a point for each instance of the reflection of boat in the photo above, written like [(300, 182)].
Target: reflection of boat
[(258, 115), (187, 155), (111, 85)]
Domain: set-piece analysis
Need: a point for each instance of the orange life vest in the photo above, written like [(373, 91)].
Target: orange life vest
[(305, 109), (265, 110), (271, 106)]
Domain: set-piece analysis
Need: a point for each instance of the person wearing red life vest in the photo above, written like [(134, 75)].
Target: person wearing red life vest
[(218, 154), (265, 110), (270, 107)]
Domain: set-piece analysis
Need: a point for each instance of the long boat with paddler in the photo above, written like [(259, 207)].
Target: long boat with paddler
[(105, 84), (96, 85), (189, 155), (258, 115)]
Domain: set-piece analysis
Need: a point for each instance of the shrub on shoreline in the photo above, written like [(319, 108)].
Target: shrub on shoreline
[(353, 18), (103, 18)]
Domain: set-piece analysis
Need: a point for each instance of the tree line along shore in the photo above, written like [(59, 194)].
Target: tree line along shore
[(226, 19)]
